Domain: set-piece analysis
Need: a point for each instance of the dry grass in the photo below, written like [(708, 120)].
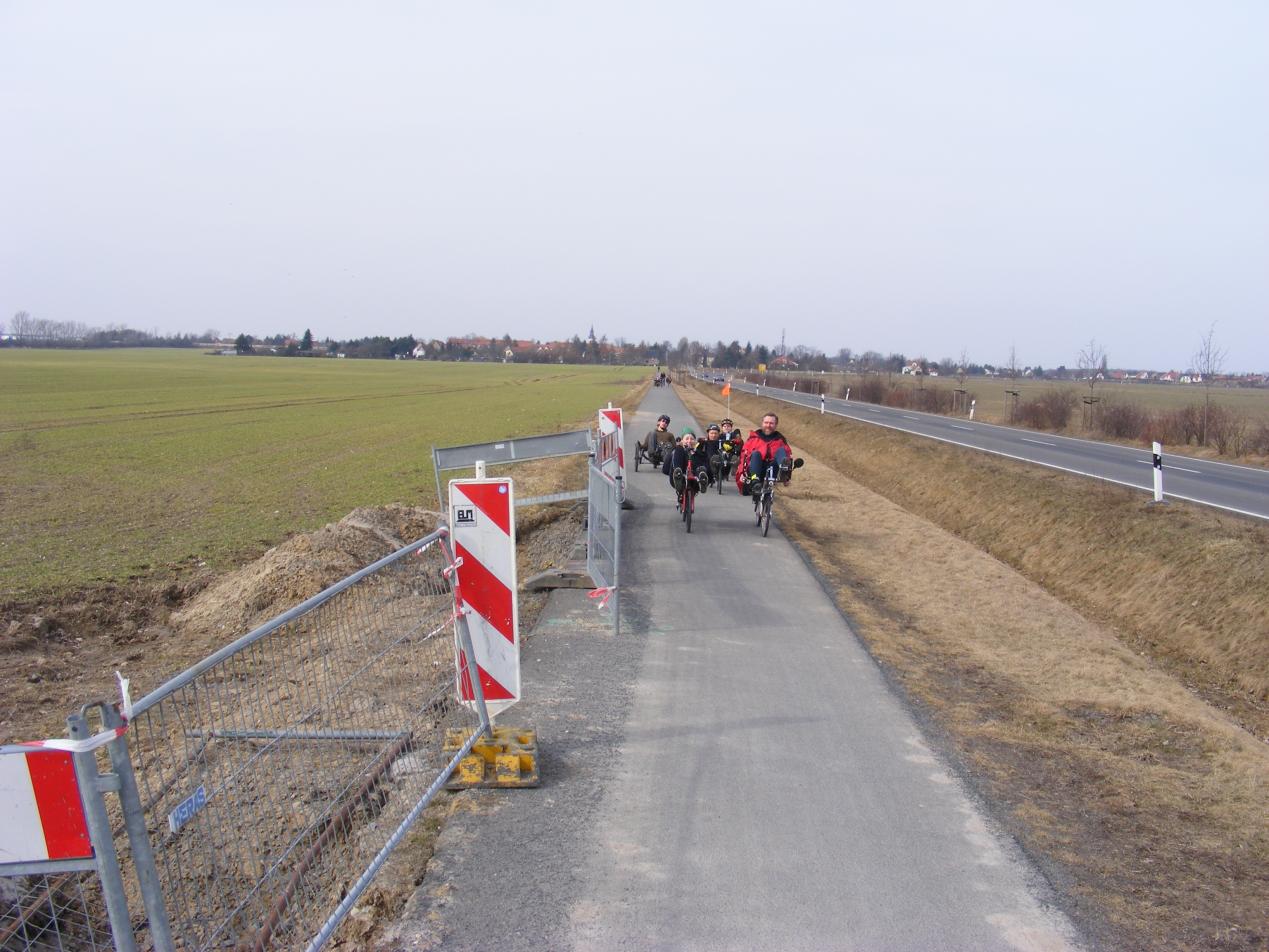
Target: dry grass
[(1055, 632)]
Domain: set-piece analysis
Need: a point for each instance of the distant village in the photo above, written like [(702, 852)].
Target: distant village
[(25, 331)]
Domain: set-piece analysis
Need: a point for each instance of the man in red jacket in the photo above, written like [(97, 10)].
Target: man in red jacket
[(764, 446)]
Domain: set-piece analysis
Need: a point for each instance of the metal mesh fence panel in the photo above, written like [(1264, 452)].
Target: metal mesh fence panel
[(274, 773), (603, 536), (52, 912)]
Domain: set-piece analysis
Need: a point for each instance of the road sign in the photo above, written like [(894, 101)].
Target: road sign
[(610, 453), (41, 816), (482, 526)]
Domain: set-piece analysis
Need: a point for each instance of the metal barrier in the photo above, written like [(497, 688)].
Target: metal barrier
[(261, 790), (603, 538), (53, 912)]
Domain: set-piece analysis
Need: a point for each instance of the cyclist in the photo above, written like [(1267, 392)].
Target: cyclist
[(765, 445), (659, 441), (712, 445), (732, 433), (729, 446), (675, 466)]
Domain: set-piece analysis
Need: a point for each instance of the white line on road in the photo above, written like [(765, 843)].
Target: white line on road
[(1041, 442), (961, 426), (872, 410), (909, 417), (1150, 462)]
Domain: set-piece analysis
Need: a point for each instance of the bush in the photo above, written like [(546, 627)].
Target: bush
[(1258, 442), (1051, 410), (1124, 420), (1226, 429), (872, 389)]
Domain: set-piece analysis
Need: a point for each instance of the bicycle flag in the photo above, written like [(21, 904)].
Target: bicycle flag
[(727, 389), (483, 528)]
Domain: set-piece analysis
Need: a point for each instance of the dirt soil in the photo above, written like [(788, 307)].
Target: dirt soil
[(1124, 758), (60, 653)]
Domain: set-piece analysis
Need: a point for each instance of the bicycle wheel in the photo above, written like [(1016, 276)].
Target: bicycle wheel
[(757, 507), (638, 455), (766, 513), (688, 505)]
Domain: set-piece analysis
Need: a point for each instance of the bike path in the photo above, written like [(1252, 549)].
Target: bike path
[(732, 772)]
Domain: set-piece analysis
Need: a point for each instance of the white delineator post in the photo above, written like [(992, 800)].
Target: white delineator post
[(821, 404), (972, 404), (1158, 472), (483, 530)]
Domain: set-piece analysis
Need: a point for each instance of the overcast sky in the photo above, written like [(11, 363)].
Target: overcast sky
[(923, 176)]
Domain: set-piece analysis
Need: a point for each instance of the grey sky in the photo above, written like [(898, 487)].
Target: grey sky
[(923, 176)]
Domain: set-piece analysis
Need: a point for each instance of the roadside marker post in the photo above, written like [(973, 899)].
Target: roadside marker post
[(972, 405), (42, 816), (482, 527), (821, 404), (1158, 471), (483, 531), (610, 453), (848, 394)]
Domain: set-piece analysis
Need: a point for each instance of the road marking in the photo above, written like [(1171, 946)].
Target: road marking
[(1150, 462), (1041, 442), (872, 409), (961, 426), (907, 416)]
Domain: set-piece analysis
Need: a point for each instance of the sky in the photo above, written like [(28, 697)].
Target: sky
[(914, 176)]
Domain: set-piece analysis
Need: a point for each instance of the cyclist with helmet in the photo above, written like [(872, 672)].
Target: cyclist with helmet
[(729, 443), (712, 446), (659, 441), (687, 450)]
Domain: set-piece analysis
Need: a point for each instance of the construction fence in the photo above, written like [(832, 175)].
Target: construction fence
[(260, 791)]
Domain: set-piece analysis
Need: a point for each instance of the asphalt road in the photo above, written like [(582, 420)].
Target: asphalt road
[(1240, 489), (732, 772)]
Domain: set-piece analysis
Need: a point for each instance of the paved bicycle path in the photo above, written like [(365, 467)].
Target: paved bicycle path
[(732, 772)]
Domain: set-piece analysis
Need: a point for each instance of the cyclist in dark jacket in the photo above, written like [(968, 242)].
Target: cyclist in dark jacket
[(657, 444), (675, 466), (711, 445)]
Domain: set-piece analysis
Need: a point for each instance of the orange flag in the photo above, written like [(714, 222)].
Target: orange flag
[(727, 389)]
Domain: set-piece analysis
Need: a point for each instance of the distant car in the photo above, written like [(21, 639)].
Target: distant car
[(719, 378)]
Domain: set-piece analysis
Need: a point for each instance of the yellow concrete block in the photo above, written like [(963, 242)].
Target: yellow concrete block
[(510, 759)]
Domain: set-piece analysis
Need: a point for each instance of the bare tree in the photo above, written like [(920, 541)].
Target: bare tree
[(1092, 361), (1208, 361), (1011, 369), (20, 326), (962, 368)]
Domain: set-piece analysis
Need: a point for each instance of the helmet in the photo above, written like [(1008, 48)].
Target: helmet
[(727, 421), (713, 426), (665, 417)]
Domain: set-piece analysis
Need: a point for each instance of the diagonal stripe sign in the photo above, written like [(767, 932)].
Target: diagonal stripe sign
[(41, 817), (482, 525)]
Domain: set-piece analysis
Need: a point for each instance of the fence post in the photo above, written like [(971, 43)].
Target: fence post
[(91, 784), (464, 642), (138, 836)]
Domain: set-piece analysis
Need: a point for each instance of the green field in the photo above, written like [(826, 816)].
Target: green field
[(121, 462)]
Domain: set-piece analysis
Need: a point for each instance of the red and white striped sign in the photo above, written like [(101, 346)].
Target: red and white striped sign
[(483, 528), (611, 452), (41, 816)]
